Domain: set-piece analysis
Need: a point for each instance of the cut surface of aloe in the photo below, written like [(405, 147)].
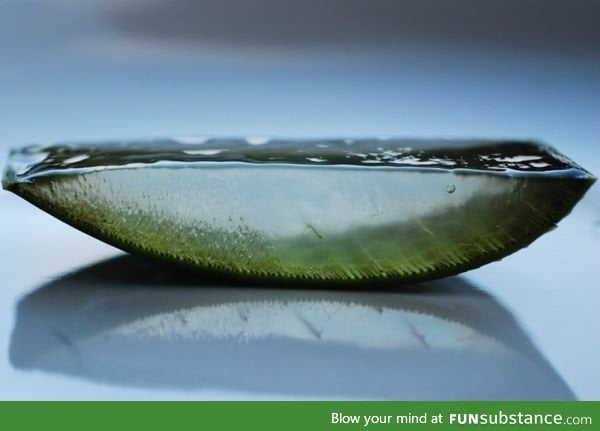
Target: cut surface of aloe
[(306, 209)]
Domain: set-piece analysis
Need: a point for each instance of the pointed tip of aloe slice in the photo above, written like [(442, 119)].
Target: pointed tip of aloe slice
[(9, 179), (20, 161)]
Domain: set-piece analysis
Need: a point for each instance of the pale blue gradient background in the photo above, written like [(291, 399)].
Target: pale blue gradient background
[(71, 70)]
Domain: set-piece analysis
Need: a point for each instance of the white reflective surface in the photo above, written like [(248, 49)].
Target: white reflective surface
[(132, 323)]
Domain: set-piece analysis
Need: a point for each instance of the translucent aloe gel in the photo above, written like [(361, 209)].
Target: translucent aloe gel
[(306, 209)]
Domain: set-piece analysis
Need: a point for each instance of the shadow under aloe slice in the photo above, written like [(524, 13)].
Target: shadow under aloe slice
[(331, 210)]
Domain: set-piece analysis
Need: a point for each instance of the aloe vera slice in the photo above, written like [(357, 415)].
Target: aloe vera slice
[(306, 209)]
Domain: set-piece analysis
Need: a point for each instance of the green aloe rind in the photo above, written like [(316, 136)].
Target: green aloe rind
[(320, 210)]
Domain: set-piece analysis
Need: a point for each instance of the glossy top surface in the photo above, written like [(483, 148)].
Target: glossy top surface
[(472, 155)]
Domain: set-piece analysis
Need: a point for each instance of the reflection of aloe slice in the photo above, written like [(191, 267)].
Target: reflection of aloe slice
[(132, 322), (328, 210)]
